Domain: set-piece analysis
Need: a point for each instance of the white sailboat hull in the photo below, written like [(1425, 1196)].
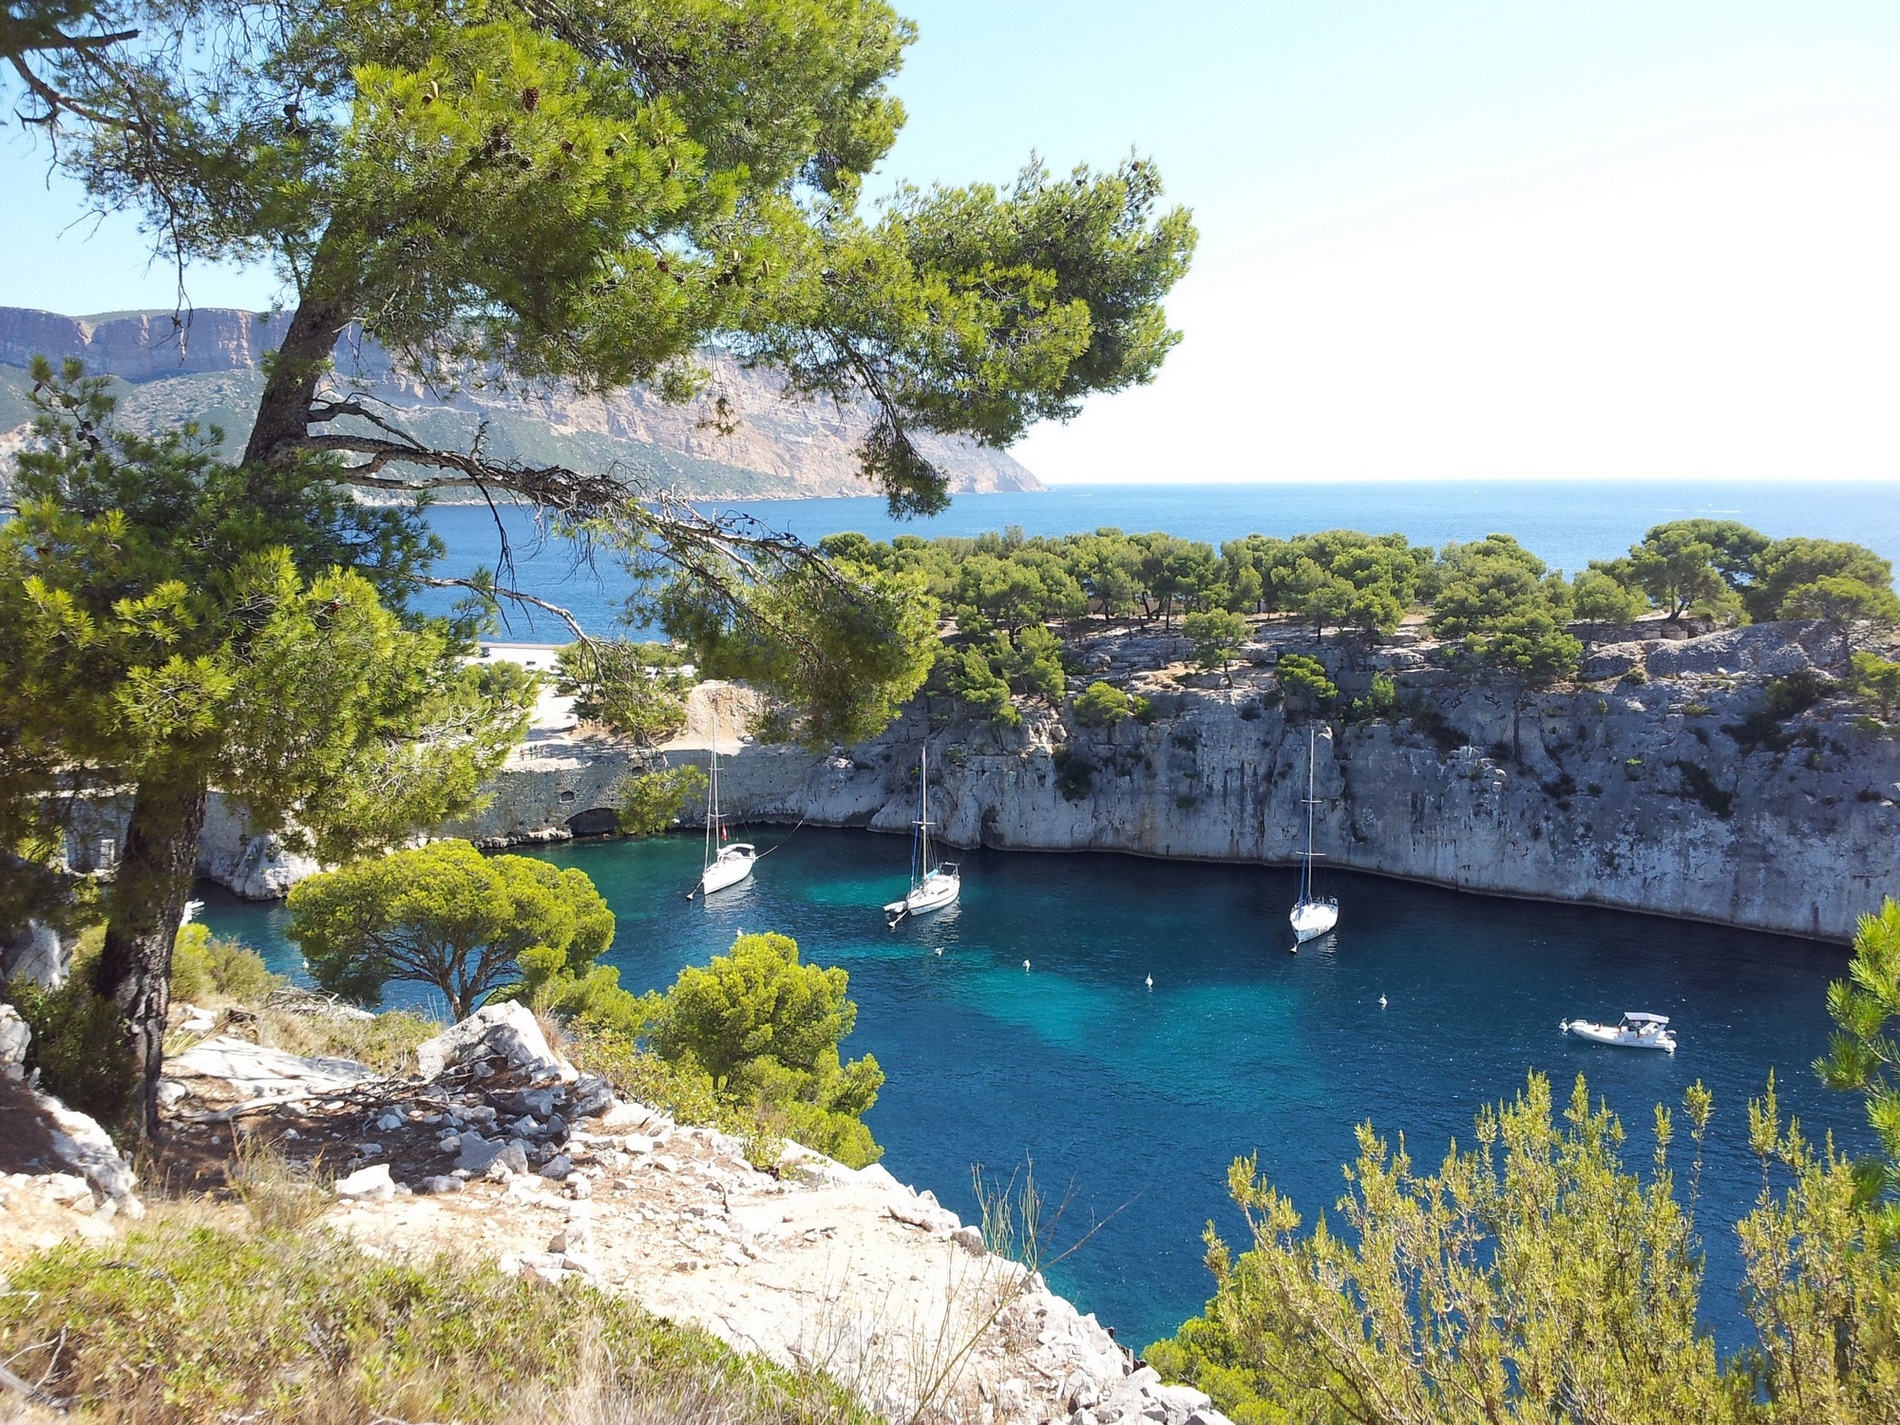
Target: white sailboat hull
[(732, 866), (1312, 919), (934, 892), (1620, 1037)]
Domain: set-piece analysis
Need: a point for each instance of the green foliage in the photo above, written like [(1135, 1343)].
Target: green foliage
[(1498, 609), (1102, 705), (652, 800), (1789, 565), (177, 1325), (1216, 636), (634, 689), (1032, 664), (1844, 602), (80, 1047), (1529, 1278), (1303, 679), (447, 916), (1676, 566), (1862, 1055), (1602, 594), (1381, 702), (766, 1028), (846, 644), (970, 677), (210, 968), (1876, 680)]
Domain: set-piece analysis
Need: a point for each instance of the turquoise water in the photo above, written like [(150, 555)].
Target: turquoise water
[(1133, 1101), (1567, 523)]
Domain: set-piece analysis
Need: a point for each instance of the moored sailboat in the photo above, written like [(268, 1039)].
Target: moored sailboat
[(932, 887), (724, 864), (1311, 917)]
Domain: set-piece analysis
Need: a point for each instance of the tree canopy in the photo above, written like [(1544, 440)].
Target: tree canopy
[(767, 1029), (446, 916), (166, 635)]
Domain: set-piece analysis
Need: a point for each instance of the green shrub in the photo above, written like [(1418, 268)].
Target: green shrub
[(1075, 774), (1304, 677), (1380, 704), (79, 1048), (651, 801), (1102, 705), (176, 1326), (1876, 681), (206, 967)]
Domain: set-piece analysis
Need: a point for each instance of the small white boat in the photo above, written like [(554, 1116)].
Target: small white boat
[(931, 887), (1311, 917), (1636, 1031), (725, 864)]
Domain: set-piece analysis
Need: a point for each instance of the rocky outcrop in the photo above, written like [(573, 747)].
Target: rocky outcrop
[(493, 1150), (759, 443), (1663, 784)]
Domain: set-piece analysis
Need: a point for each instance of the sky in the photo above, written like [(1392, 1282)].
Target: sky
[(1440, 239)]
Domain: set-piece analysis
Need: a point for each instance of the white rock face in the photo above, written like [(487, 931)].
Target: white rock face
[(504, 1031), (371, 1184), (15, 1039), (237, 1066), (37, 955)]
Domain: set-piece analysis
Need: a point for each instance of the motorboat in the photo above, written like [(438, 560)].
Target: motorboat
[(1637, 1030), (726, 863), (932, 886), (1311, 917)]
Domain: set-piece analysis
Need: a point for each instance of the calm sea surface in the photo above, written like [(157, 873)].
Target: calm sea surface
[(1131, 1102), (1566, 523)]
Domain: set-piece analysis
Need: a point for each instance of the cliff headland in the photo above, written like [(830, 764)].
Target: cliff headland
[(208, 365), (1673, 777)]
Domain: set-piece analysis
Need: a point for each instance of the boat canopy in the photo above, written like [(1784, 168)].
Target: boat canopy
[(1636, 1016)]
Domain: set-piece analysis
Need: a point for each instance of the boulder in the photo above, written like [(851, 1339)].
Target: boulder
[(372, 1184), (557, 1168), (252, 1071), (971, 1240), (36, 955), (505, 1031), (15, 1036), (83, 1145), (479, 1155)]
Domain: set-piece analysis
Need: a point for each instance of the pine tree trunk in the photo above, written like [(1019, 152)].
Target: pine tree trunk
[(283, 412), (148, 903)]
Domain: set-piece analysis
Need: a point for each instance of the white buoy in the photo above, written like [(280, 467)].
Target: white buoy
[(1025, 964), (1381, 1001), (1151, 982), (940, 949)]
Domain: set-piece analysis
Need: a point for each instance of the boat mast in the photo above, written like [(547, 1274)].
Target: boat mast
[(1306, 857), (922, 868), (712, 794)]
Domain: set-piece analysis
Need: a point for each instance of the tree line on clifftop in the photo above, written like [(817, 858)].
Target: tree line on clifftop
[(1494, 607)]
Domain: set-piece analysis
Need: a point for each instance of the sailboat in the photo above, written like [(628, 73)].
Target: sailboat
[(724, 865), (1311, 917), (932, 887)]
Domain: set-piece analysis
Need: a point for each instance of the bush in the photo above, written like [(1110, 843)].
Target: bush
[(1102, 705), (1381, 703), (1303, 677), (206, 967), (766, 1029), (175, 1326), (651, 801), (1075, 774), (79, 1048)]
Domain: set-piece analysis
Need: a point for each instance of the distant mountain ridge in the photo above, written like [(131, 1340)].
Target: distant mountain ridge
[(206, 365)]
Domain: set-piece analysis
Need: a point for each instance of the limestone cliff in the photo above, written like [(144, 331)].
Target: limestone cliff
[(207, 365), (1677, 795)]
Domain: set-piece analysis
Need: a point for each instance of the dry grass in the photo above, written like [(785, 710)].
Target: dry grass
[(181, 1323), (277, 1195), (385, 1042)]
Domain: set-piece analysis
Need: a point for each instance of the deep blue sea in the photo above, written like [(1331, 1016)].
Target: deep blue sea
[(1131, 1102), (1566, 523)]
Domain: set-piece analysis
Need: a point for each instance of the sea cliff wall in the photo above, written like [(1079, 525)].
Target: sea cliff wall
[(1663, 784)]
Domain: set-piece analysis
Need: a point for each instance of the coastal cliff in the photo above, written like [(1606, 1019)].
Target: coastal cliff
[(207, 365), (1662, 784)]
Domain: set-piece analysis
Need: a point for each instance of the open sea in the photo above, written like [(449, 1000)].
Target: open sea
[(1566, 523), (1130, 1102)]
